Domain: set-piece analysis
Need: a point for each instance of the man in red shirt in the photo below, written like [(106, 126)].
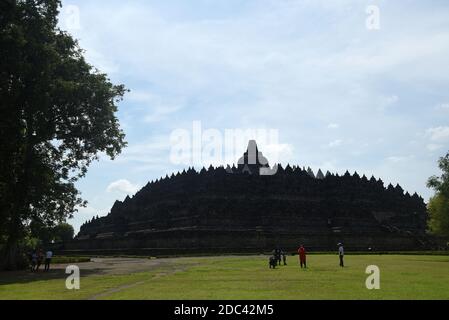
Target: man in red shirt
[(302, 256)]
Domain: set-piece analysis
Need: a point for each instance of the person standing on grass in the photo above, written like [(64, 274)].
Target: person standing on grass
[(33, 261), (341, 254), (302, 257), (277, 255), (48, 257), (30, 259), (40, 258)]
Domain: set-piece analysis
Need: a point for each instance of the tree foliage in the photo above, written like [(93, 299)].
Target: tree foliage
[(45, 234), (63, 232), (441, 184), (439, 204), (57, 113), (439, 215)]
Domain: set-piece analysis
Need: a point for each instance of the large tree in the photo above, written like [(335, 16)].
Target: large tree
[(44, 234), (57, 113), (63, 232), (439, 204)]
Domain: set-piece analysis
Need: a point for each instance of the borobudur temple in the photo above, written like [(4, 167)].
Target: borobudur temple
[(254, 208)]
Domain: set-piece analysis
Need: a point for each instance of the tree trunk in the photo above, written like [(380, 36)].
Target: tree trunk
[(11, 257), (11, 254)]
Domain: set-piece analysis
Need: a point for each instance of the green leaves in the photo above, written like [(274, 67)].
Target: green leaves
[(57, 113), (439, 215), (439, 205), (441, 184)]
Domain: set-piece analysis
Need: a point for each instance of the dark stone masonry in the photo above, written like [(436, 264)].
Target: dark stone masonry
[(250, 209)]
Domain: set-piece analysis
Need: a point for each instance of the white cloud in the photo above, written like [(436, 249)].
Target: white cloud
[(142, 96), (434, 147), (438, 133), (442, 106), (279, 153), (155, 107), (333, 126), (397, 159), (152, 151), (335, 143), (386, 102), (391, 100), (88, 211), (160, 113), (103, 62), (123, 186)]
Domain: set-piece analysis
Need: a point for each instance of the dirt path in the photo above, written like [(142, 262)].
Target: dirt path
[(103, 266), (115, 290), (108, 266), (118, 266), (170, 268)]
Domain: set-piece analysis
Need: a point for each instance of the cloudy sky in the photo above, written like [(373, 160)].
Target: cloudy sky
[(340, 94)]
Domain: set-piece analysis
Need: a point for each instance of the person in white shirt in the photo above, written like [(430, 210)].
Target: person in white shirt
[(341, 254), (48, 257)]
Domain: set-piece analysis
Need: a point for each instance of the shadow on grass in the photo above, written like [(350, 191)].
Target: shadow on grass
[(26, 277)]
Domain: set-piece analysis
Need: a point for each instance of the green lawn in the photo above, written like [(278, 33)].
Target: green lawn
[(402, 277)]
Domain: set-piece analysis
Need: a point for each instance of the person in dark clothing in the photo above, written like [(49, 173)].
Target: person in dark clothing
[(33, 261), (272, 262), (40, 258), (277, 256), (302, 257), (341, 254), (284, 258), (30, 259)]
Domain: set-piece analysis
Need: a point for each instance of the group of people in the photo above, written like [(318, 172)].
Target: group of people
[(37, 257), (275, 259)]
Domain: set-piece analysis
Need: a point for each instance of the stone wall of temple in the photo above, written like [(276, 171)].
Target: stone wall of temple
[(210, 241), (230, 210)]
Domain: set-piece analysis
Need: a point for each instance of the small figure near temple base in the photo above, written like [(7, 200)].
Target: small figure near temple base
[(341, 254), (277, 253), (302, 257), (272, 262)]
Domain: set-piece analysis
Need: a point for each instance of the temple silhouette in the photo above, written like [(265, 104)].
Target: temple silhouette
[(253, 207)]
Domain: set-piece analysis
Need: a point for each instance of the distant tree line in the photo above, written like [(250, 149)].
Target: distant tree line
[(439, 204)]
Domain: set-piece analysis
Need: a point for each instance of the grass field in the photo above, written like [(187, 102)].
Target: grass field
[(223, 278)]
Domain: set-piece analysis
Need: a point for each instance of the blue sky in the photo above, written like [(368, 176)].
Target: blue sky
[(341, 96)]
